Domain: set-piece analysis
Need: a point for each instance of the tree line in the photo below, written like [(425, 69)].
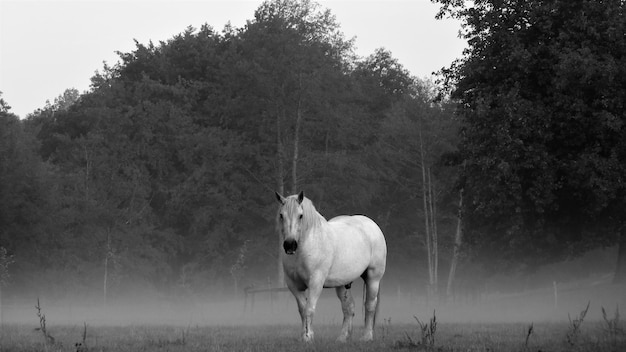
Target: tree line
[(541, 93), (161, 176)]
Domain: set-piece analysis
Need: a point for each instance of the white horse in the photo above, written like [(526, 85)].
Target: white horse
[(320, 253)]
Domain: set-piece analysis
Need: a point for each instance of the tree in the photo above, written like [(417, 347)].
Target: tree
[(5, 261), (165, 169), (27, 202), (64, 101), (4, 106), (296, 50), (456, 250), (540, 91), (416, 133)]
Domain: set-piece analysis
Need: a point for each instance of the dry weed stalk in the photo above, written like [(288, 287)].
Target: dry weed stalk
[(612, 325), (528, 333), (42, 325), (427, 331), (574, 332), (82, 346)]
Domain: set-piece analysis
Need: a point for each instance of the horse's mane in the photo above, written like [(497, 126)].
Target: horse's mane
[(311, 219)]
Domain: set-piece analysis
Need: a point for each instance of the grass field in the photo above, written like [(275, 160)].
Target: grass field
[(499, 323), (448, 337)]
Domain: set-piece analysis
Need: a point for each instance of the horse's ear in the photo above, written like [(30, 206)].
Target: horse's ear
[(280, 198), (300, 197)]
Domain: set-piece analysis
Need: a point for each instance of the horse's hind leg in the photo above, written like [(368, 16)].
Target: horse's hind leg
[(371, 302), (347, 306)]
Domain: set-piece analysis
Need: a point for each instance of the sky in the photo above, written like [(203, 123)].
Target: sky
[(48, 46)]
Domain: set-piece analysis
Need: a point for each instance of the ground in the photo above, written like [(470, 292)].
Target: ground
[(593, 336), (499, 322)]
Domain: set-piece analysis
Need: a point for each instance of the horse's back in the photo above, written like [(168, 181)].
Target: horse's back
[(363, 225)]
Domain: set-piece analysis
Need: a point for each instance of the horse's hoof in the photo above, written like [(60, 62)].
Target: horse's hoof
[(367, 337), (307, 338), (342, 339)]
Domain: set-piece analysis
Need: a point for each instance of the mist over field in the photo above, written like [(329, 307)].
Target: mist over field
[(520, 299)]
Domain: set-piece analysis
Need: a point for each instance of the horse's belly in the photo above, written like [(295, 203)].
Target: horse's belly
[(340, 280), (344, 272)]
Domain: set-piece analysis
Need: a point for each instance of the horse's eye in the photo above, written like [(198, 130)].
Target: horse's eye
[(300, 216), (280, 216)]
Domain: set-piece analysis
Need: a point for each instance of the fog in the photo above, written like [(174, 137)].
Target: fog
[(549, 294)]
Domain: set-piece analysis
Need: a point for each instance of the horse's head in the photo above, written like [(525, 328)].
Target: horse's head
[(290, 220)]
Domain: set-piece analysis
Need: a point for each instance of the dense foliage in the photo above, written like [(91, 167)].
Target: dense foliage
[(162, 175), (542, 91)]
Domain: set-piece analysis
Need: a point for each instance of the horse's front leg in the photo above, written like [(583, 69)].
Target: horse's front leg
[(301, 298), (312, 295), (301, 301)]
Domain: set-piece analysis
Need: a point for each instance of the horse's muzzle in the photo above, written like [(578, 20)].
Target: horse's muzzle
[(290, 246)]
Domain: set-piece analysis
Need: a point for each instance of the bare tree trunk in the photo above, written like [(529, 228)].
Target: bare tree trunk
[(106, 268), (620, 268), (296, 141), (458, 240), (427, 221), (5, 262), (87, 165), (322, 195), (427, 229), (106, 275), (1, 310), (280, 185), (434, 234)]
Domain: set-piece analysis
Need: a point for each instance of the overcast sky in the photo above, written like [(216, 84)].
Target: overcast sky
[(47, 46)]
